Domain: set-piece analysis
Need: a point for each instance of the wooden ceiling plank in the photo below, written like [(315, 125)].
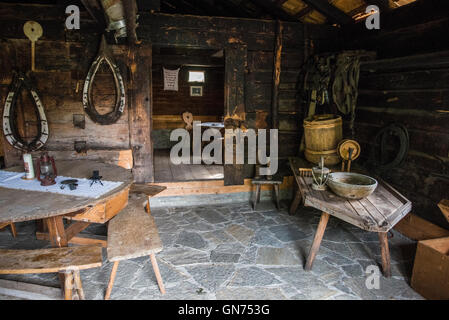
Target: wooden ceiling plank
[(95, 10), (334, 14)]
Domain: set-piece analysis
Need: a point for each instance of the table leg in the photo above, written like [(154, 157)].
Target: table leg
[(56, 231), (58, 239), (317, 240), (111, 280), (383, 239), (256, 196), (276, 194), (295, 202)]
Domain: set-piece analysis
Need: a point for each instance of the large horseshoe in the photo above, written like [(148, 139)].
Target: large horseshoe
[(114, 115), (10, 114)]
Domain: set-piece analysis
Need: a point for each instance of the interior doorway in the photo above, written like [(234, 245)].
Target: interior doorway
[(199, 90)]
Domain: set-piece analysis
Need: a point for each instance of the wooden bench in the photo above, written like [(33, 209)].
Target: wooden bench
[(132, 234), (67, 260), (12, 225)]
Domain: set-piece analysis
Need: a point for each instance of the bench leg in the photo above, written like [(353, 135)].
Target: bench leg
[(256, 196), (383, 239), (78, 284), (317, 240), (68, 285), (13, 229), (157, 273), (295, 202), (276, 194), (111, 280)]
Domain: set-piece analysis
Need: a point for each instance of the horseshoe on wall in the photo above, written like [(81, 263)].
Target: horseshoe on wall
[(114, 115), (10, 114)]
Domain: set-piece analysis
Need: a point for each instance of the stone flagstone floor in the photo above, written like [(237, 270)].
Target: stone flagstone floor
[(232, 252)]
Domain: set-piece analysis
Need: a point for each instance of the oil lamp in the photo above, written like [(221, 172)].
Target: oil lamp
[(46, 170)]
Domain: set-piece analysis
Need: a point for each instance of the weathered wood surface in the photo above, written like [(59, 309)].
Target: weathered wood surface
[(140, 104), (417, 228), (49, 260), (444, 207), (149, 190), (28, 291), (133, 233), (19, 205), (378, 212)]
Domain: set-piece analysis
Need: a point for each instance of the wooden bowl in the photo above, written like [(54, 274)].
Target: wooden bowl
[(351, 185)]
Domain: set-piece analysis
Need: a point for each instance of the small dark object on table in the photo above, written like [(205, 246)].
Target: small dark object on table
[(95, 178), (72, 183)]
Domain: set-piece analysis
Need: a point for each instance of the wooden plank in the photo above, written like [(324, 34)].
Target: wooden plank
[(149, 190), (133, 233), (417, 228), (75, 228), (121, 158), (49, 260), (444, 207), (235, 66), (28, 291), (140, 106), (276, 76), (80, 239)]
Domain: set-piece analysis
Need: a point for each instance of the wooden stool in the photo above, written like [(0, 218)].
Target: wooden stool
[(13, 228), (132, 234), (68, 261), (275, 182)]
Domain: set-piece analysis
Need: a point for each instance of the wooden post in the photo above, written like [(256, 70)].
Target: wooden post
[(317, 240), (276, 76), (235, 68), (157, 273), (385, 251), (111, 280), (140, 104)]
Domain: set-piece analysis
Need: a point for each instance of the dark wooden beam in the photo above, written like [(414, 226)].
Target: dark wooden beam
[(191, 61), (235, 67), (140, 104), (96, 11), (274, 10), (334, 14), (276, 76), (130, 8)]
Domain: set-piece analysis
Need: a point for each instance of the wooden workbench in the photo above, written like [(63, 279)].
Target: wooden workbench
[(378, 212)]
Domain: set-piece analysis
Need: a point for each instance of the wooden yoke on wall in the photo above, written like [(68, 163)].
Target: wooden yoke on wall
[(235, 68)]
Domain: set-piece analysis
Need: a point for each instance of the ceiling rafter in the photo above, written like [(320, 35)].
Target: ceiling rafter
[(333, 14)]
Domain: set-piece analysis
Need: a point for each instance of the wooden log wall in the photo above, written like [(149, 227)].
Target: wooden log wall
[(409, 84), (176, 102), (64, 56)]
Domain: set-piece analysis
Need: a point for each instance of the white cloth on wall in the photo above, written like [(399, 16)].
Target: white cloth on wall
[(13, 180), (171, 79)]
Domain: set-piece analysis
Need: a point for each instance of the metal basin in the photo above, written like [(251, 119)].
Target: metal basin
[(351, 185)]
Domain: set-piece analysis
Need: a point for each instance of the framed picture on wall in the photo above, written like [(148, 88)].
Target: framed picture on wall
[(196, 91)]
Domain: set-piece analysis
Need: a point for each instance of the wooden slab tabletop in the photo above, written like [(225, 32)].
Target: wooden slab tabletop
[(378, 212), (21, 205)]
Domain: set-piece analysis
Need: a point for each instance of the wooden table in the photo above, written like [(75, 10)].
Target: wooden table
[(20, 205), (378, 212)]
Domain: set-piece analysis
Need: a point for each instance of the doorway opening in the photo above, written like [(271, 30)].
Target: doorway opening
[(185, 81)]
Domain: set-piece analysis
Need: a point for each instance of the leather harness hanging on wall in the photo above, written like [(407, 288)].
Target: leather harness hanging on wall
[(114, 115), (10, 115)]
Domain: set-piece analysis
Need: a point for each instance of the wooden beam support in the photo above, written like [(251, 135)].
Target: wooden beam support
[(276, 76), (140, 104), (235, 68), (334, 14), (95, 10), (130, 8), (272, 8)]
